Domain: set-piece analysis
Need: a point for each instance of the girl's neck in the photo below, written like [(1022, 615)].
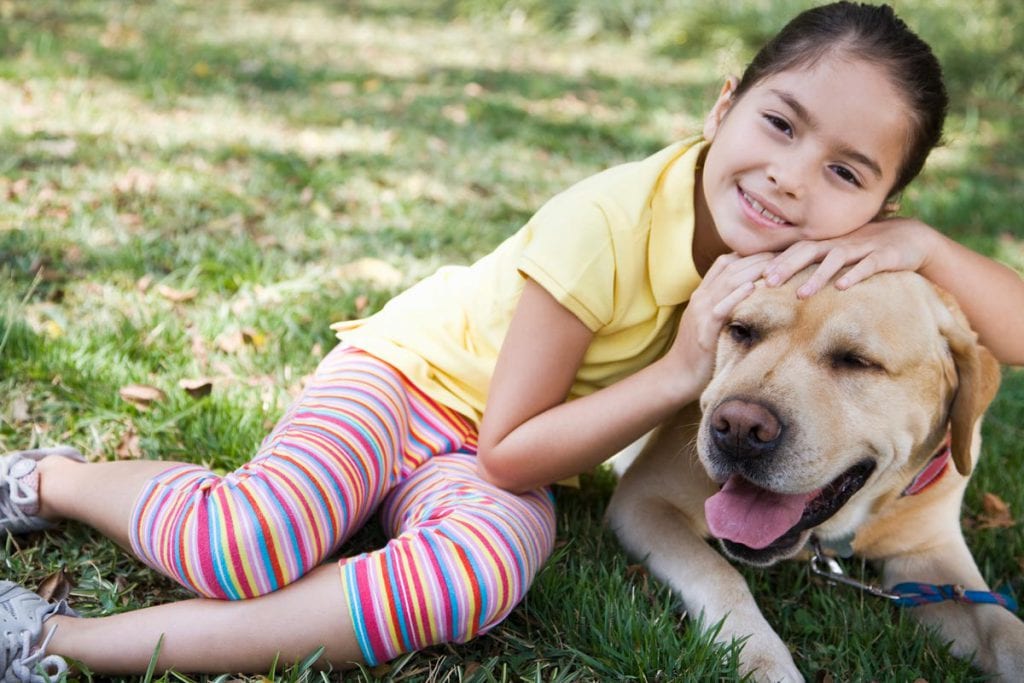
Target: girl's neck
[(707, 245)]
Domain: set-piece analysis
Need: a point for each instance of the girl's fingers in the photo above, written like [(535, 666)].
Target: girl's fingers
[(830, 265), (862, 270), (723, 308), (794, 259)]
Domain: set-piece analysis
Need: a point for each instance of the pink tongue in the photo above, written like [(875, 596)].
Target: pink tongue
[(744, 513)]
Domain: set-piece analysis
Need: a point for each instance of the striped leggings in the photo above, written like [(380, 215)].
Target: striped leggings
[(360, 438)]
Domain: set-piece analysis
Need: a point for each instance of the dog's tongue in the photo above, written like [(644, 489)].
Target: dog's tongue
[(744, 513)]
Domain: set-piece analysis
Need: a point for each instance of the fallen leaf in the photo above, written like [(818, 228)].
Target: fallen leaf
[(197, 388), (19, 410), (254, 338), (380, 273), (141, 395), (176, 295), (144, 283), (996, 513), (230, 342), (128, 448), (55, 587)]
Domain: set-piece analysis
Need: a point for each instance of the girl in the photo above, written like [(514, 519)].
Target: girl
[(449, 410)]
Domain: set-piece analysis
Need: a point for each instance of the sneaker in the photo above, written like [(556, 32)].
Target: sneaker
[(22, 615), (19, 488)]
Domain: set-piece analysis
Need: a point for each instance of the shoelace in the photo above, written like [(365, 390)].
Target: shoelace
[(19, 495), (24, 665)]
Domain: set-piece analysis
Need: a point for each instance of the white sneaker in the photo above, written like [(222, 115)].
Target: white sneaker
[(19, 488)]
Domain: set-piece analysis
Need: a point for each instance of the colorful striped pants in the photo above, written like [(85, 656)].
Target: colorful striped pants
[(361, 437)]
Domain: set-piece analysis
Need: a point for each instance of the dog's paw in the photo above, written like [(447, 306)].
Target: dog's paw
[(766, 657), (1005, 648)]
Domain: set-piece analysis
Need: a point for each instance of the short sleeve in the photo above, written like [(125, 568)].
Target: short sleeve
[(570, 253)]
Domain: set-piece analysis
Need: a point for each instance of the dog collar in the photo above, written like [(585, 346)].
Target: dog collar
[(932, 471)]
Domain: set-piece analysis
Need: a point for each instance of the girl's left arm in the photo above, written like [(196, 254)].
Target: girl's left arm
[(990, 294)]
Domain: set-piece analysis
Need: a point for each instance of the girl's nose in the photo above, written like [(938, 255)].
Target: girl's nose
[(788, 178)]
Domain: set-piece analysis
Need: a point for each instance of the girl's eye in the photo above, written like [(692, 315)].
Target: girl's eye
[(846, 175), (779, 124)]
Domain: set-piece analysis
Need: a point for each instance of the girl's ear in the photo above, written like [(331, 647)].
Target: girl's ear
[(722, 104)]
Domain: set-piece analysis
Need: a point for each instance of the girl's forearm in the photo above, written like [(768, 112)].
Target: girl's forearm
[(578, 435), (990, 294)]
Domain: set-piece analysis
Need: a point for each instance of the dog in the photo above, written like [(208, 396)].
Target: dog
[(825, 421)]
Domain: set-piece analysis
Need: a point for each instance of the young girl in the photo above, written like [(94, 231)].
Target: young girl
[(450, 411)]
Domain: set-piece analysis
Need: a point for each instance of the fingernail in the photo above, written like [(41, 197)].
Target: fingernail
[(842, 283), (772, 279)]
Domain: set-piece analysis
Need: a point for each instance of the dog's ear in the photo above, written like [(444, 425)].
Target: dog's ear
[(977, 381)]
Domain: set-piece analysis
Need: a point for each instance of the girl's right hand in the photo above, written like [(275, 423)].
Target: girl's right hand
[(729, 281)]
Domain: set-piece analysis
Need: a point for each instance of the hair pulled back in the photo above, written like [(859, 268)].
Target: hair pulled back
[(873, 33)]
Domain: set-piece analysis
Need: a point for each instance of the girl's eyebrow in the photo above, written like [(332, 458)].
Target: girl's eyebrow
[(808, 120)]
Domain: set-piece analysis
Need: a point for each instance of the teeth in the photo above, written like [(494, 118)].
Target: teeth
[(763, 211)]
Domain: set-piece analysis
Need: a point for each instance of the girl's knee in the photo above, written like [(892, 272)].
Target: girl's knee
[(456, 569)]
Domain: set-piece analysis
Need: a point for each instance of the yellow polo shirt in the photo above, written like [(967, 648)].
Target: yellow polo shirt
[(614, 249)]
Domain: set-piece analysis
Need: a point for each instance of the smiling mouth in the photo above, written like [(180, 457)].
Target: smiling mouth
[(758, 526), (759, 208)]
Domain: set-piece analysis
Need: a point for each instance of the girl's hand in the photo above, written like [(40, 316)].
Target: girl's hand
[(891, 244), (729, 281)]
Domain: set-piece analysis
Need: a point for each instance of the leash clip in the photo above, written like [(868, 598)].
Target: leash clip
[(829, 569)]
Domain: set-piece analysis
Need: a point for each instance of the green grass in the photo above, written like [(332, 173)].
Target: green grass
[(251, 150)]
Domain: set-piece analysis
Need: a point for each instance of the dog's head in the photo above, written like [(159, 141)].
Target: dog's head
[(821, 407)]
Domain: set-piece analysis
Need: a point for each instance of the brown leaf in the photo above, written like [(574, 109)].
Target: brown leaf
[(55, 587), (362, 301), (198, 387), (254, 338), (176, 295), (144, 283), (141, 395), (19, 410), (128, 448), (230, 342), (996, 513)]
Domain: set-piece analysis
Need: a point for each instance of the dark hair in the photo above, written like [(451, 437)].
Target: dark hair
[(874, 33)]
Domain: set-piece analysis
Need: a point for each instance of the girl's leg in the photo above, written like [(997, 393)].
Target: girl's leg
[(317, 478), (204, 635), (462, 556)]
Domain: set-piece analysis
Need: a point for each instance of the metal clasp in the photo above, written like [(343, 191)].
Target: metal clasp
[(829, 569)]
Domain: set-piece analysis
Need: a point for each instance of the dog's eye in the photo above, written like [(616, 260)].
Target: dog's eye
[(741, 333), (849, 360)]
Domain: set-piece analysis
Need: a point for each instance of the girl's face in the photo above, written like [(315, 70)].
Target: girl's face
[(805, 154)]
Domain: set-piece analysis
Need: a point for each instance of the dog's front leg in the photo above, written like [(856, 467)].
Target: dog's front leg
[(657, 531), (990, 634)]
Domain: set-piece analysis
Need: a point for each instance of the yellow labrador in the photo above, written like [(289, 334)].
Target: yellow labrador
[(822, 417)]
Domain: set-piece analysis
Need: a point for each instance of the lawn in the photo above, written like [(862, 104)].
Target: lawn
[(193, 191)]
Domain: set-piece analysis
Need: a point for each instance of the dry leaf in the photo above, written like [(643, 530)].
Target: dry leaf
[(361, 303), (19, 410), (197, 388), (996, 513), (141, 395), (254, 338), (376, 271), (230, 342), (55, 587), (128, 448), (176, 295), (144, 283)]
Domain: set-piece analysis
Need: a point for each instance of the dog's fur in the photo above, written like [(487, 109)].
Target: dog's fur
[(873, 377)]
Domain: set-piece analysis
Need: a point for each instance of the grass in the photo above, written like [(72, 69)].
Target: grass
[(187, 186)]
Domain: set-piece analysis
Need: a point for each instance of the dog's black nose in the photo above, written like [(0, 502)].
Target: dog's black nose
[(743, 429)]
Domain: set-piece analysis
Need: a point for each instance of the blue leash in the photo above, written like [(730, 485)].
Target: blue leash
[(909, 594)]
